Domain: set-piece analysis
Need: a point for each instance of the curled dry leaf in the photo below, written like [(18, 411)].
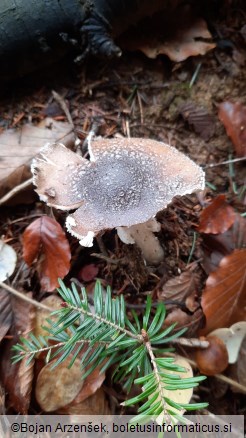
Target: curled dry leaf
[(224, 298), (8, 259), (232, 338), (217, 217), (58, 386), (45, 242), (233, 117)]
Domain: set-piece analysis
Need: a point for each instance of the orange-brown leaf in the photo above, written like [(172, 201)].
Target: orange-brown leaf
[(224, 297), (45, 242), (217, 217), (233, 117)]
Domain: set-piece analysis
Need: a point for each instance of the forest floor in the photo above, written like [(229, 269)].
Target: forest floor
[(176, 103)]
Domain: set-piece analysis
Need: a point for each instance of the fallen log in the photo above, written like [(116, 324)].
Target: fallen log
[(35, 33)]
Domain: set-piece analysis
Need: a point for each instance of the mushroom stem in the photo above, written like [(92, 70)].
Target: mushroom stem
[(142, 235)]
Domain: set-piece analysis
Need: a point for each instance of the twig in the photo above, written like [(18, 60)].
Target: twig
[(221, 377), (191, 342), (59, 99), (234, 160), (15, 190), (24, 297)]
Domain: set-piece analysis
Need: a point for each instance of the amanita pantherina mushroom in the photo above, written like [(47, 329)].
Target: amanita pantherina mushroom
[(125, 183)]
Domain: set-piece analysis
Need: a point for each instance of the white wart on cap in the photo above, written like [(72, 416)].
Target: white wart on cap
[(126, 182)]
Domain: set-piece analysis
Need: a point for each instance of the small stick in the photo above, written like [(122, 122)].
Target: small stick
[(191, 342), (59, 99), (24, 297), (234, 160), (15, 190)]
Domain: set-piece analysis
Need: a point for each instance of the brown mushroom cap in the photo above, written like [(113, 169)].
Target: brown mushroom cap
[(127, 182)]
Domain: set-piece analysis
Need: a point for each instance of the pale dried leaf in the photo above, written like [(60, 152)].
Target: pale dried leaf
[(18, 147), (57, 387), (232, 338), (96, 404), (179, 396), (8, 259)]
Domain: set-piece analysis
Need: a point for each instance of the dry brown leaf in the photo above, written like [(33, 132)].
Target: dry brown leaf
[(202, 122), (220, 245), (233, 117), (18, 147), (57, 387), (217, 217), (182, 319), (6, 314), (17, 378), (96, 404), (224, 298), (178, 36), (45, 242), (63, 387), (91, 384), (88, 272), (179, 288)]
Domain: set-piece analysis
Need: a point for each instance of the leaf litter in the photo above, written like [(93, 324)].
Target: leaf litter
[(146, 103)]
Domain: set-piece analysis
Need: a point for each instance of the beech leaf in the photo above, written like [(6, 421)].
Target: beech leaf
[(217, 217), (57, 387), (45, 243), (179, 288), (224, 298)]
